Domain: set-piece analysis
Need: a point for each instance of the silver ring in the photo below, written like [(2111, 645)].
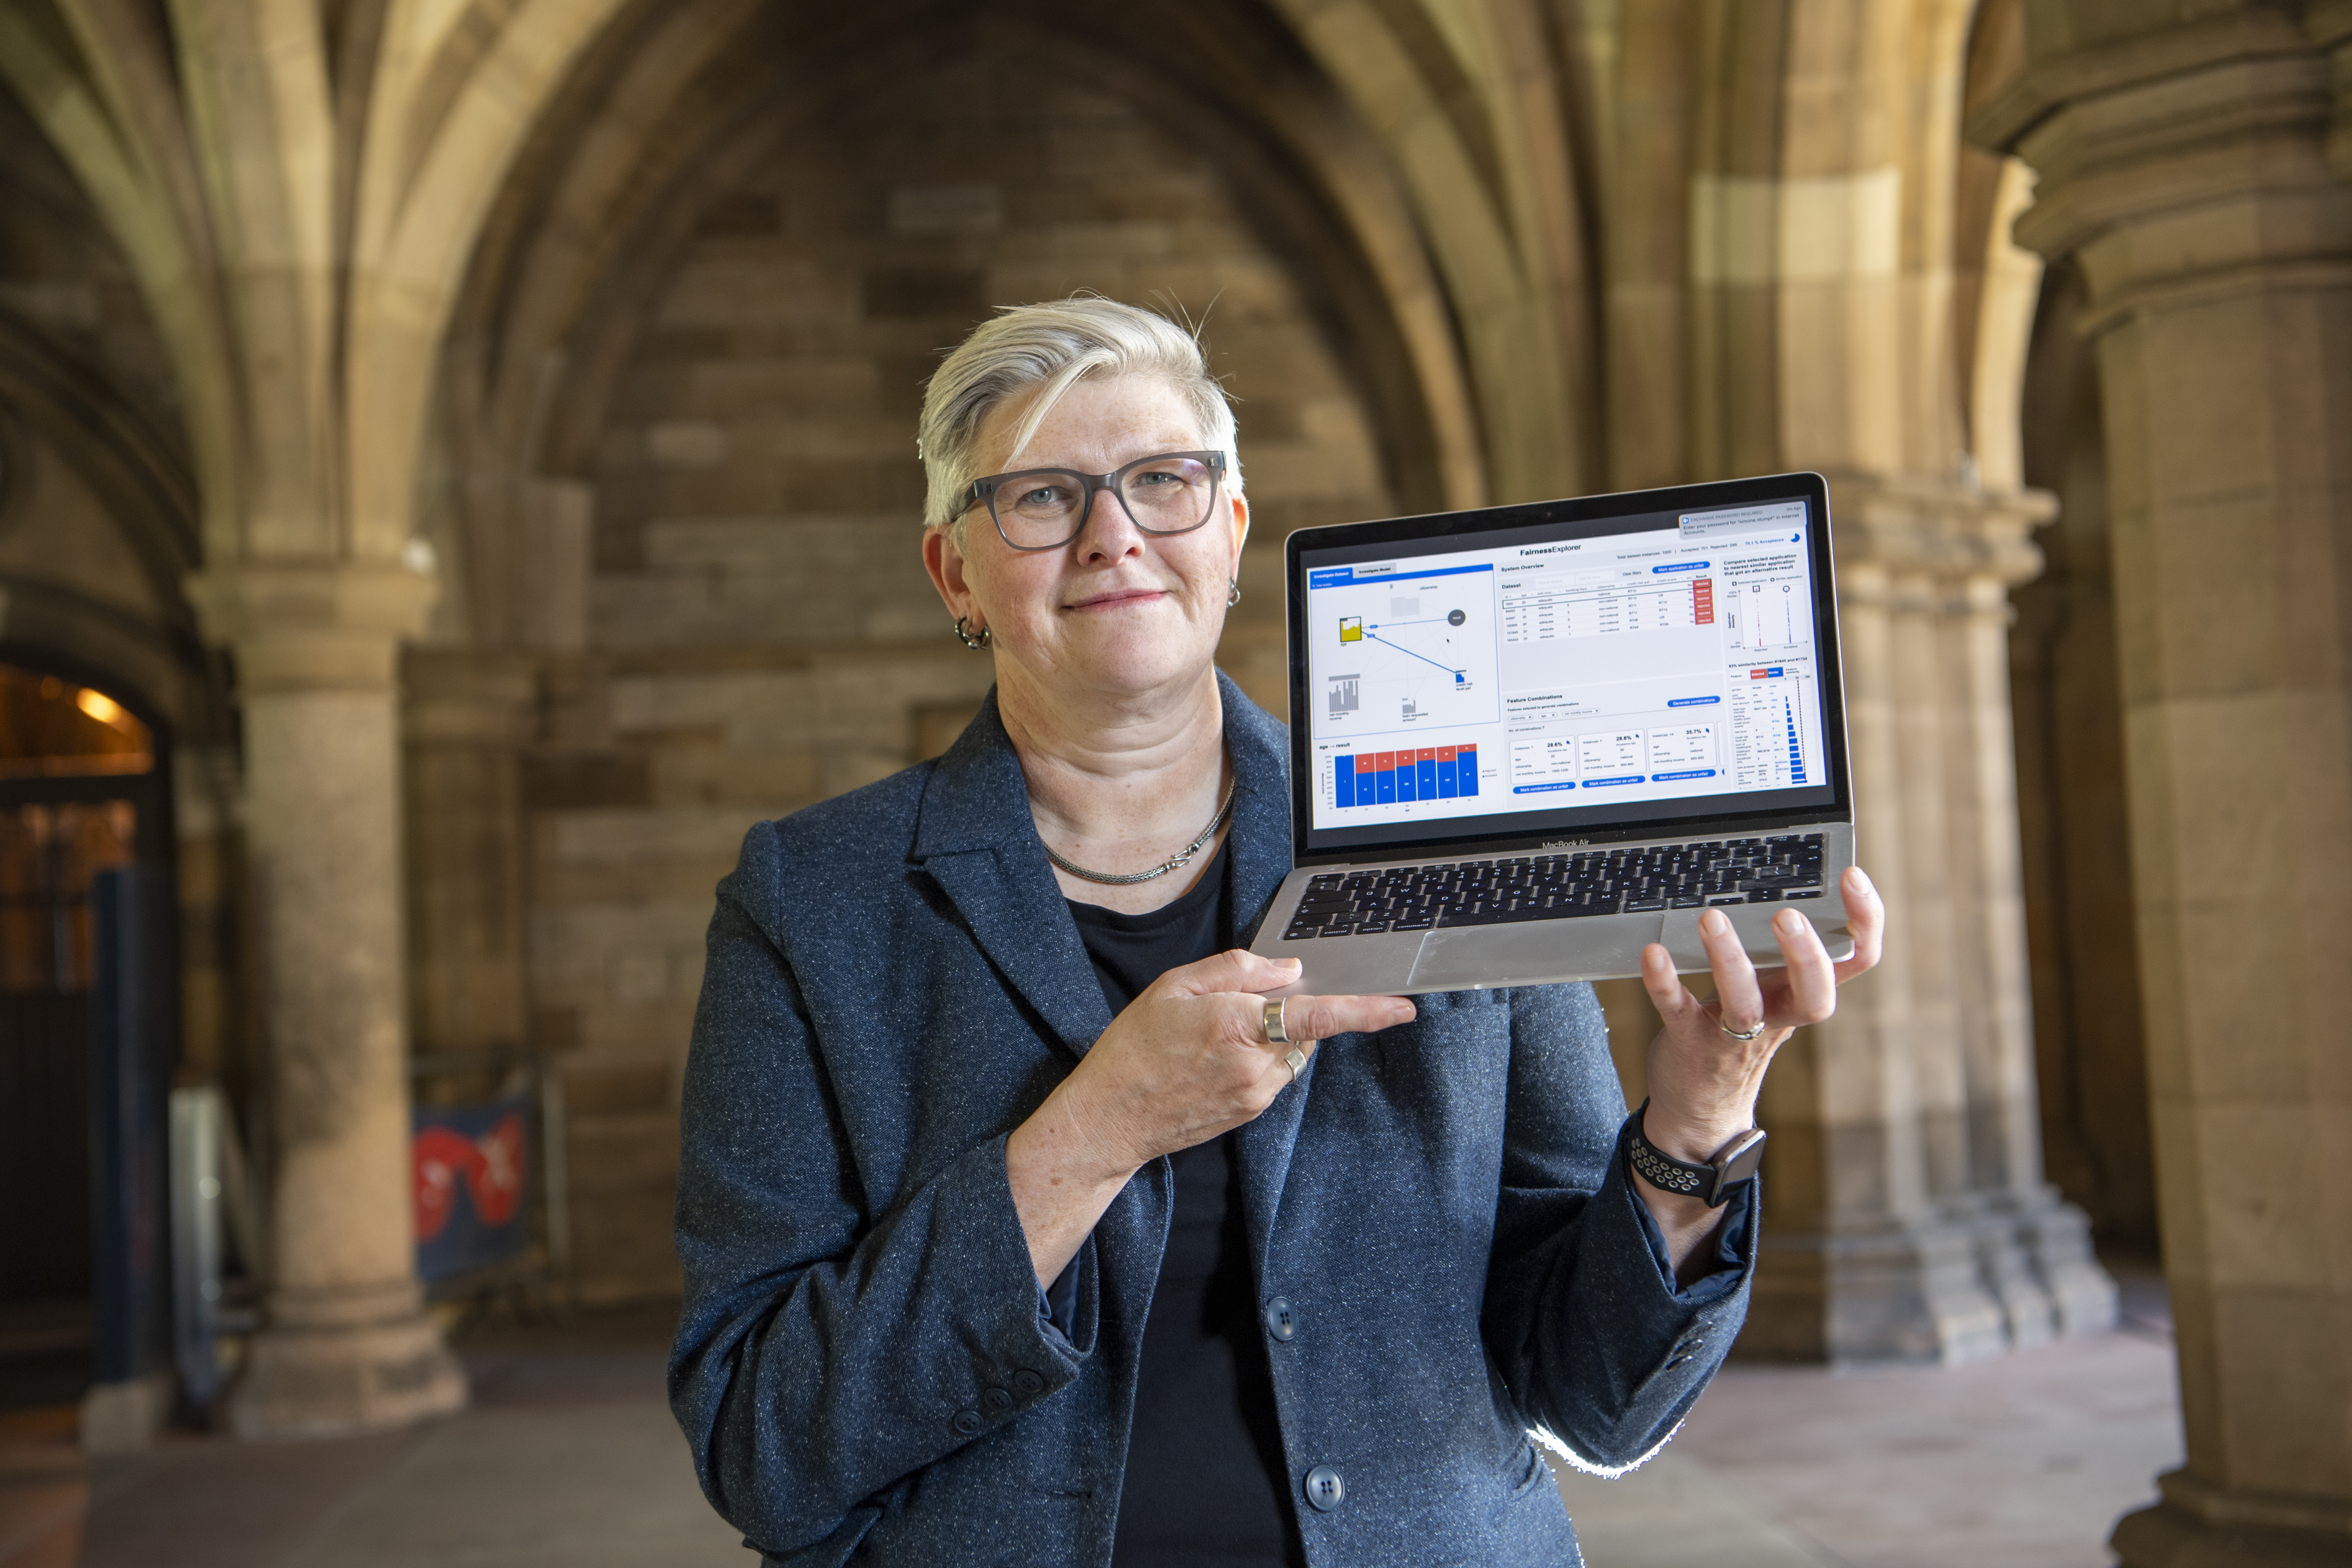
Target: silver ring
[(1741, 1033), (1294, 1059), (1270, 1018)]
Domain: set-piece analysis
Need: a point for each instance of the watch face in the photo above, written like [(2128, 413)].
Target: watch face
[(1744, 1160)]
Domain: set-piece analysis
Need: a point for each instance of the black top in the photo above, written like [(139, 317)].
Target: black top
[(1205, 1481)]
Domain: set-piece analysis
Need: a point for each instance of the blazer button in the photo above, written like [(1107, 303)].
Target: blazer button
[(965, 1424), (995, 1401), (1281, 1319), (1325, 1490), (1029, 1381)]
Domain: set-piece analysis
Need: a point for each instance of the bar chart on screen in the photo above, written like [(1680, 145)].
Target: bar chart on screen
[(1408, 774), (1774, 736)]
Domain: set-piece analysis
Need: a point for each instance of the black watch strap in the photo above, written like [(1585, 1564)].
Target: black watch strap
[(1713, 1181)]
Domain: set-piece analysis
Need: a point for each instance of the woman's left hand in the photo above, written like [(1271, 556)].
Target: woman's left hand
[(1702, 1082)]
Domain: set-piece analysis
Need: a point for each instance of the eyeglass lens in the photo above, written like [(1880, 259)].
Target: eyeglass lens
[(1047, 507)]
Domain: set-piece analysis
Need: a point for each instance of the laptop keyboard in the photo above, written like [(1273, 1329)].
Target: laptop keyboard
[(1560, 887)]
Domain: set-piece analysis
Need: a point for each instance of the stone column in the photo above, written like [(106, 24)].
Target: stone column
[(1932, 909), (345, 1346), (1822, 228), (1908, 1218), (1856, 1266), (2034, 1249), (2184, 166)]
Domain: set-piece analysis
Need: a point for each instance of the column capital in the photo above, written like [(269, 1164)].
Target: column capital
[(2184, 162), (1952, 533), (313, 626)]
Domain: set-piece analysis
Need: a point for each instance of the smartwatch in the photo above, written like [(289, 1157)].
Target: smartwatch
[(1735, 1162)]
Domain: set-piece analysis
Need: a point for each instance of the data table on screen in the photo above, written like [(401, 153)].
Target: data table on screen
[(1549, 612)]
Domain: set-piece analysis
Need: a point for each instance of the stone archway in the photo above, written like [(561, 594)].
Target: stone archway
[(107, 694), (87, 853), (406, 270), (2192, 167), (1819, 279), (710, 509), (295, 192), (300, 196)]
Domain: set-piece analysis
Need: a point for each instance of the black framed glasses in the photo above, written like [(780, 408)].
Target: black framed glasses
[(1045, 509)]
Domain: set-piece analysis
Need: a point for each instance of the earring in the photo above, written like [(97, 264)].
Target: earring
[(973, 639), (1234, 596)]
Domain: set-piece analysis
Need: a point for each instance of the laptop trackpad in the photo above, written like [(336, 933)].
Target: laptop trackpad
[(1753, 924), (1537, 954)]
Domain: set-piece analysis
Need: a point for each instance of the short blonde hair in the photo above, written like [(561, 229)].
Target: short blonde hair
[(1050, 347)]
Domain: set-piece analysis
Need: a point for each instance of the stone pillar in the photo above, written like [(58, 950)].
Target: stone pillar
[(2184, 166), (1823, 221), (2036, 1251), (345, 1346), (1908, 1218), (1855, 1266), (1922, 818)]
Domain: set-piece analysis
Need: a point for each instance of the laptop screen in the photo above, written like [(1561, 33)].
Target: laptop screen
[(1575, 672)]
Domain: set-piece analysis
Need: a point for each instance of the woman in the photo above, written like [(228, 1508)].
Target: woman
[(1013, 1228)]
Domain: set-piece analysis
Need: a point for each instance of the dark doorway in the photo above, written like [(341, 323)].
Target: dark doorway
[(82, 789)]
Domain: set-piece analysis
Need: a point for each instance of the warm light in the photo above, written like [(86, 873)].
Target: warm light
[(99, 706)]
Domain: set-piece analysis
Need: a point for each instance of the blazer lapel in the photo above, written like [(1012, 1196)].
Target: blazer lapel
[(1259, 746), (978, 842)]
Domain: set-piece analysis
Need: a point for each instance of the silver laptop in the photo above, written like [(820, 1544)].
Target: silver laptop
[(1527, 740)]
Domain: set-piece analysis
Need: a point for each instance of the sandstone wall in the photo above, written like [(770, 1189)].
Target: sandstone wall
[(758, 631)]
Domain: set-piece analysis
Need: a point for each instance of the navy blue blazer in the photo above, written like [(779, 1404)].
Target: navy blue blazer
[(863, 1369)]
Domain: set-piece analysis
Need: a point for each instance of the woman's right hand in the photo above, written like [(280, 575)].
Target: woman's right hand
[(1187, 1060)]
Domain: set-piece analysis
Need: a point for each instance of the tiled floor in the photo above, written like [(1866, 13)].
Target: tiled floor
[(2025, 1462), (2020, 1463), (568, 1456)]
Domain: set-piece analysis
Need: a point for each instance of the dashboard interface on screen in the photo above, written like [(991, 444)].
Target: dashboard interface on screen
[(1552, 675)]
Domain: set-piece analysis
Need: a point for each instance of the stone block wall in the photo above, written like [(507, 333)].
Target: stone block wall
[(759, 633)]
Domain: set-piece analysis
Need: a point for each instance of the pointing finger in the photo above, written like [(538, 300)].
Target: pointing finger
[(1321, 1018), (1237, 969)]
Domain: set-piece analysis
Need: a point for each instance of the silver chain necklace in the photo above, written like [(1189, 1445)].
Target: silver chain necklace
[(1175, 862)]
